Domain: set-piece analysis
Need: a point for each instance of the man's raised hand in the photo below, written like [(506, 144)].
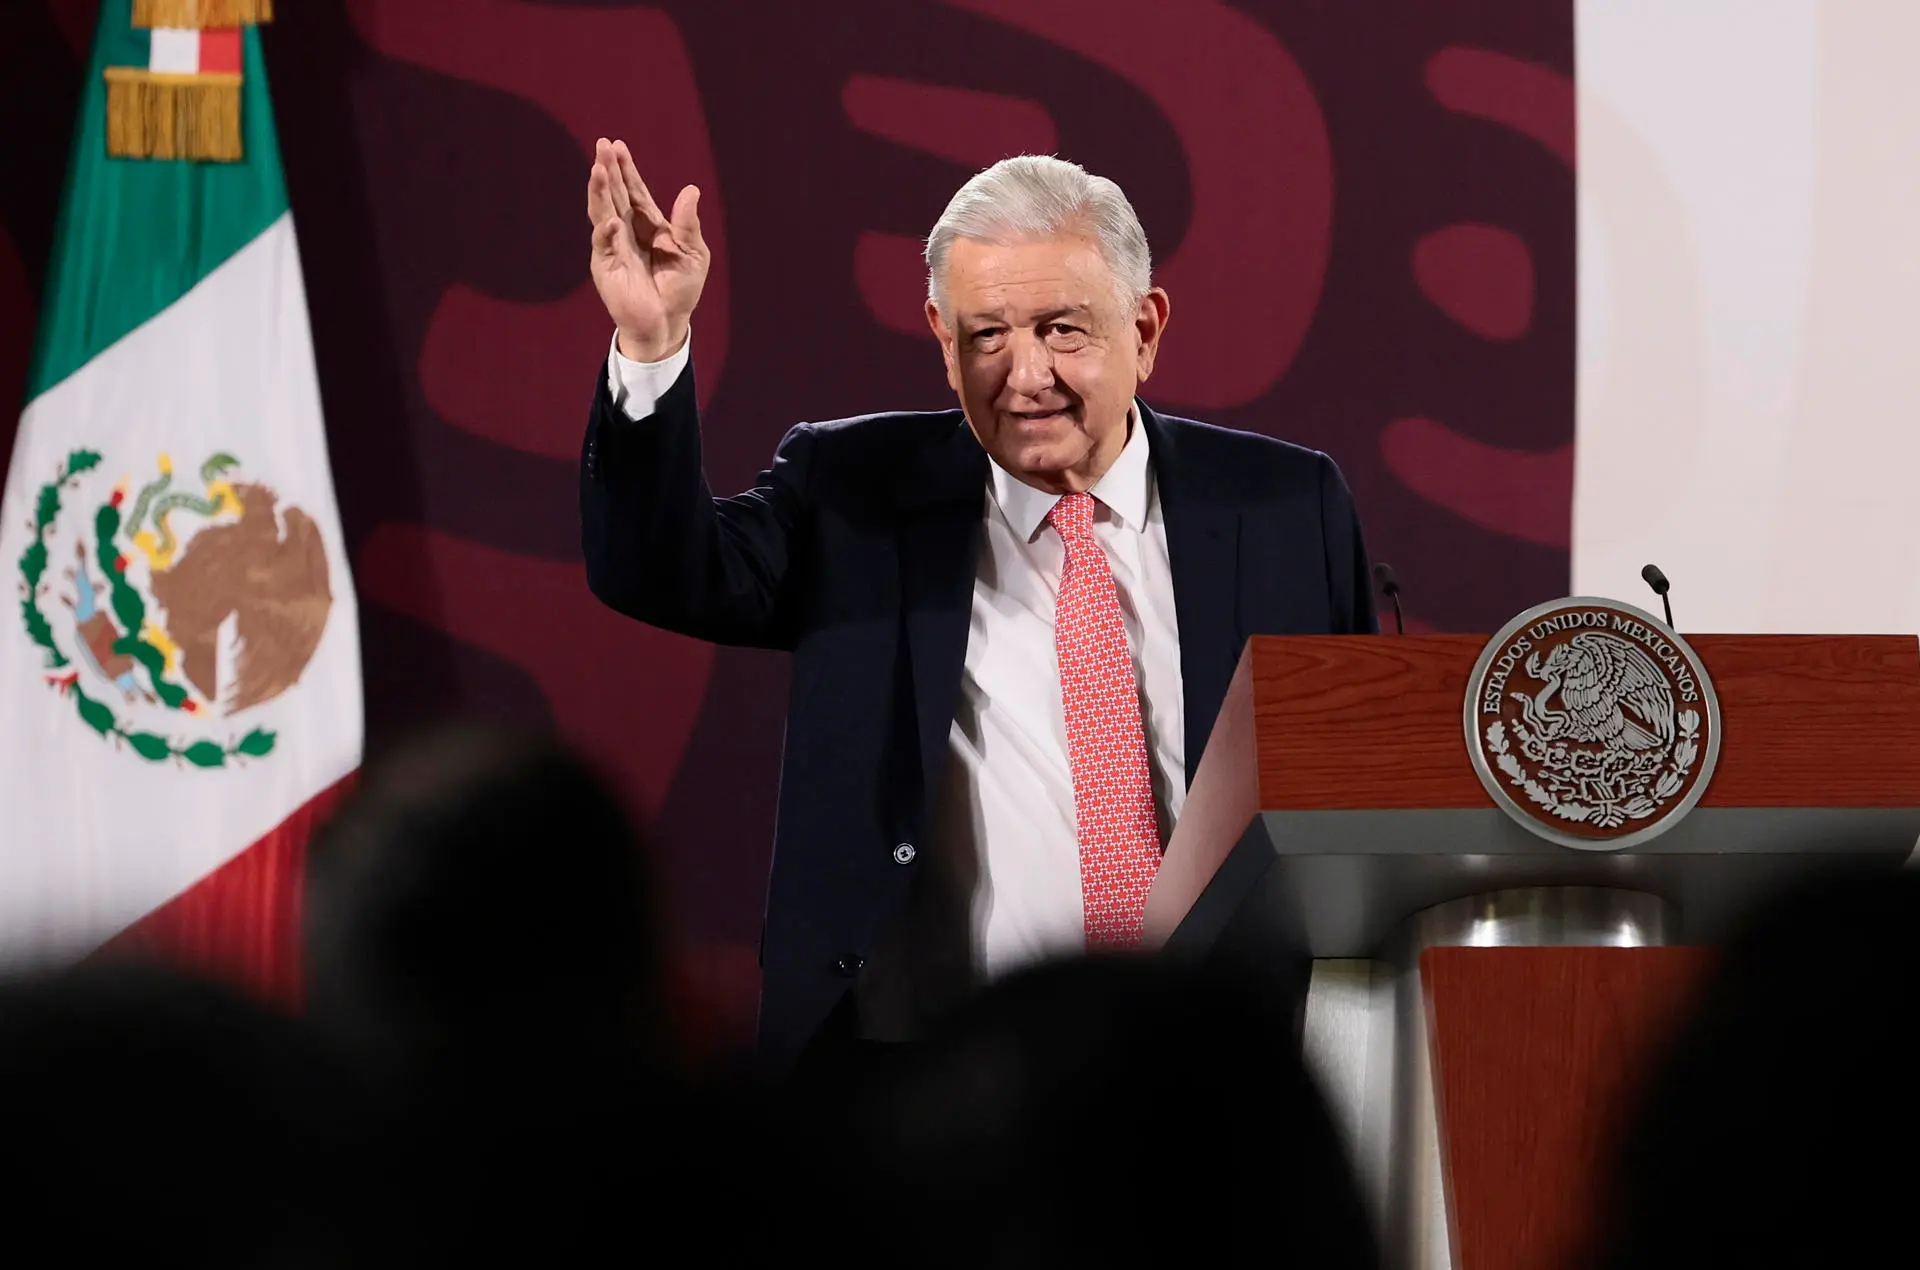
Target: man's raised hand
[(649, 268)]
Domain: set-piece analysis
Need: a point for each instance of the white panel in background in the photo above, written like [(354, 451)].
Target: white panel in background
[(1697, 167), (1844, 549)]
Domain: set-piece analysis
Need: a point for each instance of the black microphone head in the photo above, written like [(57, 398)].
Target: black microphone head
[(1655, 579), (1384, 579)]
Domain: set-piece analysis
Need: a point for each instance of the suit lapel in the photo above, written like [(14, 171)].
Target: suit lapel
[(941, 501), (1203, 543)]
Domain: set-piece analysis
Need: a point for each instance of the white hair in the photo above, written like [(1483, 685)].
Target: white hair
[(1036, 196)]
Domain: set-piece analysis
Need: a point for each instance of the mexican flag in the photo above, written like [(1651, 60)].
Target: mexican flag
[(180, 673)]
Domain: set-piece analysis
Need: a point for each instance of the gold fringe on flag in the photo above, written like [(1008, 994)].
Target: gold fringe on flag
[(154, 115), (201, 13)]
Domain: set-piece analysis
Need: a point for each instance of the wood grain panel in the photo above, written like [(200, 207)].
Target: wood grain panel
[(1538, 1055), (1815, 720), (1363, 721), (1351, 722)]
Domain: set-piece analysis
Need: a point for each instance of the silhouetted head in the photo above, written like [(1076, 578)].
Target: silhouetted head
[(1113, 1111), (1780, 1127), (482, 905), (152, 1118)]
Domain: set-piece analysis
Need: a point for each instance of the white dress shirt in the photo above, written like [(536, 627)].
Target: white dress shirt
[(1004, 872)]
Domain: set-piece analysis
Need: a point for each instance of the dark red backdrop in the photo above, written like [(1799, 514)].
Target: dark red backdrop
[(1364, 214)]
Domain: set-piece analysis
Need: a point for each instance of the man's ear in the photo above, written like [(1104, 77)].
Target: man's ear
[(948, 345), (1150, 323)]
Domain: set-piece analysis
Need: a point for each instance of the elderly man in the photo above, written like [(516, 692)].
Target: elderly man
[(1012, 624)]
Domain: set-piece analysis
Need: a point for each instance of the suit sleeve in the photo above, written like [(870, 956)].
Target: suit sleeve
[(1349, 572), (661, 548)]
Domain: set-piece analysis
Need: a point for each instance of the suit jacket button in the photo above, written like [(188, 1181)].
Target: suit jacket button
[(848, 966), (904, 853)]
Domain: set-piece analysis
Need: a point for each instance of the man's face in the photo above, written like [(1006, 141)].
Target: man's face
[(1043, 356)]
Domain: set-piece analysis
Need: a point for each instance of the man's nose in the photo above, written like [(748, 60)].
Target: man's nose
[(1032, 372)]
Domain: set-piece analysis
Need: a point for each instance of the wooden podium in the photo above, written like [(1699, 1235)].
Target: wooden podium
[(1483, 999)]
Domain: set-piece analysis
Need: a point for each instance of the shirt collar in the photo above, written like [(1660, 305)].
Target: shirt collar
[(1123, 490)]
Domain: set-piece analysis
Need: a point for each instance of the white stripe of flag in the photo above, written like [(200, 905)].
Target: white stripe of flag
[(174, 50)]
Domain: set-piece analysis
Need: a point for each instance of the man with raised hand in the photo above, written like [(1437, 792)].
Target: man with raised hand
[(1012, 623)]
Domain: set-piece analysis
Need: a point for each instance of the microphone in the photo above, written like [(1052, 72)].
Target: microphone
[(1390, 587), (1658, 581)]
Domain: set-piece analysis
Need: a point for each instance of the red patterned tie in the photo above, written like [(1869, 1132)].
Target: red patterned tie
[(1106, 745)]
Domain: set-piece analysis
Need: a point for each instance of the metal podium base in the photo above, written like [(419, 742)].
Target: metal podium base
[(1366, 1032)]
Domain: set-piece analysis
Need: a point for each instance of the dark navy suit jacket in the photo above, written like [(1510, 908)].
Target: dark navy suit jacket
[(857, 551)]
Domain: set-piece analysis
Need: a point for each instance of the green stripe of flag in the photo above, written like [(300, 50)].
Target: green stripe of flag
[(136, 234)]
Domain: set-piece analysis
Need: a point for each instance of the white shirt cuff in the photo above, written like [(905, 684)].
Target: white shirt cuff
[(637, 387)]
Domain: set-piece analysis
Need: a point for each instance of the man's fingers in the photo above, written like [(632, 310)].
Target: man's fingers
[(604, 180), (637, 190), (606, 237), (686, 220), (616, 195), (617, 189), (599, 197)]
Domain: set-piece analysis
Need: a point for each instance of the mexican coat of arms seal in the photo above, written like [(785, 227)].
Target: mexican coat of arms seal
[(170, 609), (1592, 724)]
